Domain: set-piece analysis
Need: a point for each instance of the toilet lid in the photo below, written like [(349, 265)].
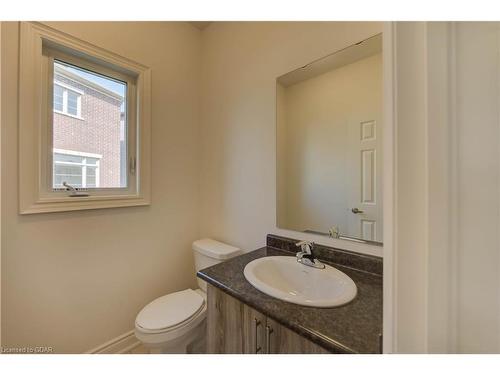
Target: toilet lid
[(170, 310)]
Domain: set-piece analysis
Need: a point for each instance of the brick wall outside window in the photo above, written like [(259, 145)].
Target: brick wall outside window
[(97, 132)]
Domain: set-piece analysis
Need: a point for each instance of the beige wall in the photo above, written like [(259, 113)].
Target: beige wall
[(319, 144), (75, 280), (238, 131)]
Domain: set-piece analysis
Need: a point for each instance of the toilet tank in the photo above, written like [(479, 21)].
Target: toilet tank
[(208, 252)]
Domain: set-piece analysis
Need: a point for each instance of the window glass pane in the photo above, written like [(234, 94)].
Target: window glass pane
[(58, 98), (70, 174), (101, 132), (73, 103), (91, 171), (67, 158), (91, 176)]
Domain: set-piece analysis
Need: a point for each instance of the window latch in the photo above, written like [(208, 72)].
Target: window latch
[(132, 166), (73, 192)]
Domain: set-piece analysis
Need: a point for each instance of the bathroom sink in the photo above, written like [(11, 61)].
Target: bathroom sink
[(284, 278)]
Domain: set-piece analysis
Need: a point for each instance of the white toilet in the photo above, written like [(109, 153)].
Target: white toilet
[(175, 323)]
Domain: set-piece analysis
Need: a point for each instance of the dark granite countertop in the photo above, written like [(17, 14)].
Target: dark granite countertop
[(352, 328)]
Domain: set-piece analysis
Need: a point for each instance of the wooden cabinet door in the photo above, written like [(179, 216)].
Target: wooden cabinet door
[(233, 327), (253, 331), (224, 323), (281, 340)]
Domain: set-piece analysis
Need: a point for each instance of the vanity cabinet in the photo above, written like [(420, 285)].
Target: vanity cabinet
[(235, 328)]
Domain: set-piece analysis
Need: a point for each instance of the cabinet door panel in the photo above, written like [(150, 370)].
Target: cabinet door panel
[(224, 323), (281, 340), (253, 331)]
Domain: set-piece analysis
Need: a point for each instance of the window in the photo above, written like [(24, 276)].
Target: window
[(67, 100), (77, 169), (58, 98), (89, 127)]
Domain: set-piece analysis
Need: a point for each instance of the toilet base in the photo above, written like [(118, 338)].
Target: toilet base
[(192, 342)]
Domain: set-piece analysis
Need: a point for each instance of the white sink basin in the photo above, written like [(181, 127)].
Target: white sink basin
[(284, 278)]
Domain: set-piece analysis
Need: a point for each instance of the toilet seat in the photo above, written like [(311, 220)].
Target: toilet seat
[(170, 312)]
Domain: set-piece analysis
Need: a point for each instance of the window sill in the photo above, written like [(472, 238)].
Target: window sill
[(84, 203), (69, 115)]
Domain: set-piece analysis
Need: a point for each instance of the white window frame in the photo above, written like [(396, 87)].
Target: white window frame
[(64, 111), (83, 164), (40, 45)]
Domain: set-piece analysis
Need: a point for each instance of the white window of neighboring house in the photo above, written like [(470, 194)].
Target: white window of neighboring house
[(107, 161), (80, 170), (67, 100)]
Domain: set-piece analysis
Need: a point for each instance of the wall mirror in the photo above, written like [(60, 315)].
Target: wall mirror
[(329, 145)]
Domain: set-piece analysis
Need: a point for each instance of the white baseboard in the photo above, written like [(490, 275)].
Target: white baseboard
[(119, 345)]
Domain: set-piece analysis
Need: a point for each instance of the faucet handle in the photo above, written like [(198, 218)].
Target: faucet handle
[(305, 246), (306, 256)]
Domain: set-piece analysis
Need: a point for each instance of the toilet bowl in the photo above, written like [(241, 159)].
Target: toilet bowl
[(171, 323), (176, 322)]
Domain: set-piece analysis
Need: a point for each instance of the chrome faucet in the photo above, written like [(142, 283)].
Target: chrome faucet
[(306, 257)]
